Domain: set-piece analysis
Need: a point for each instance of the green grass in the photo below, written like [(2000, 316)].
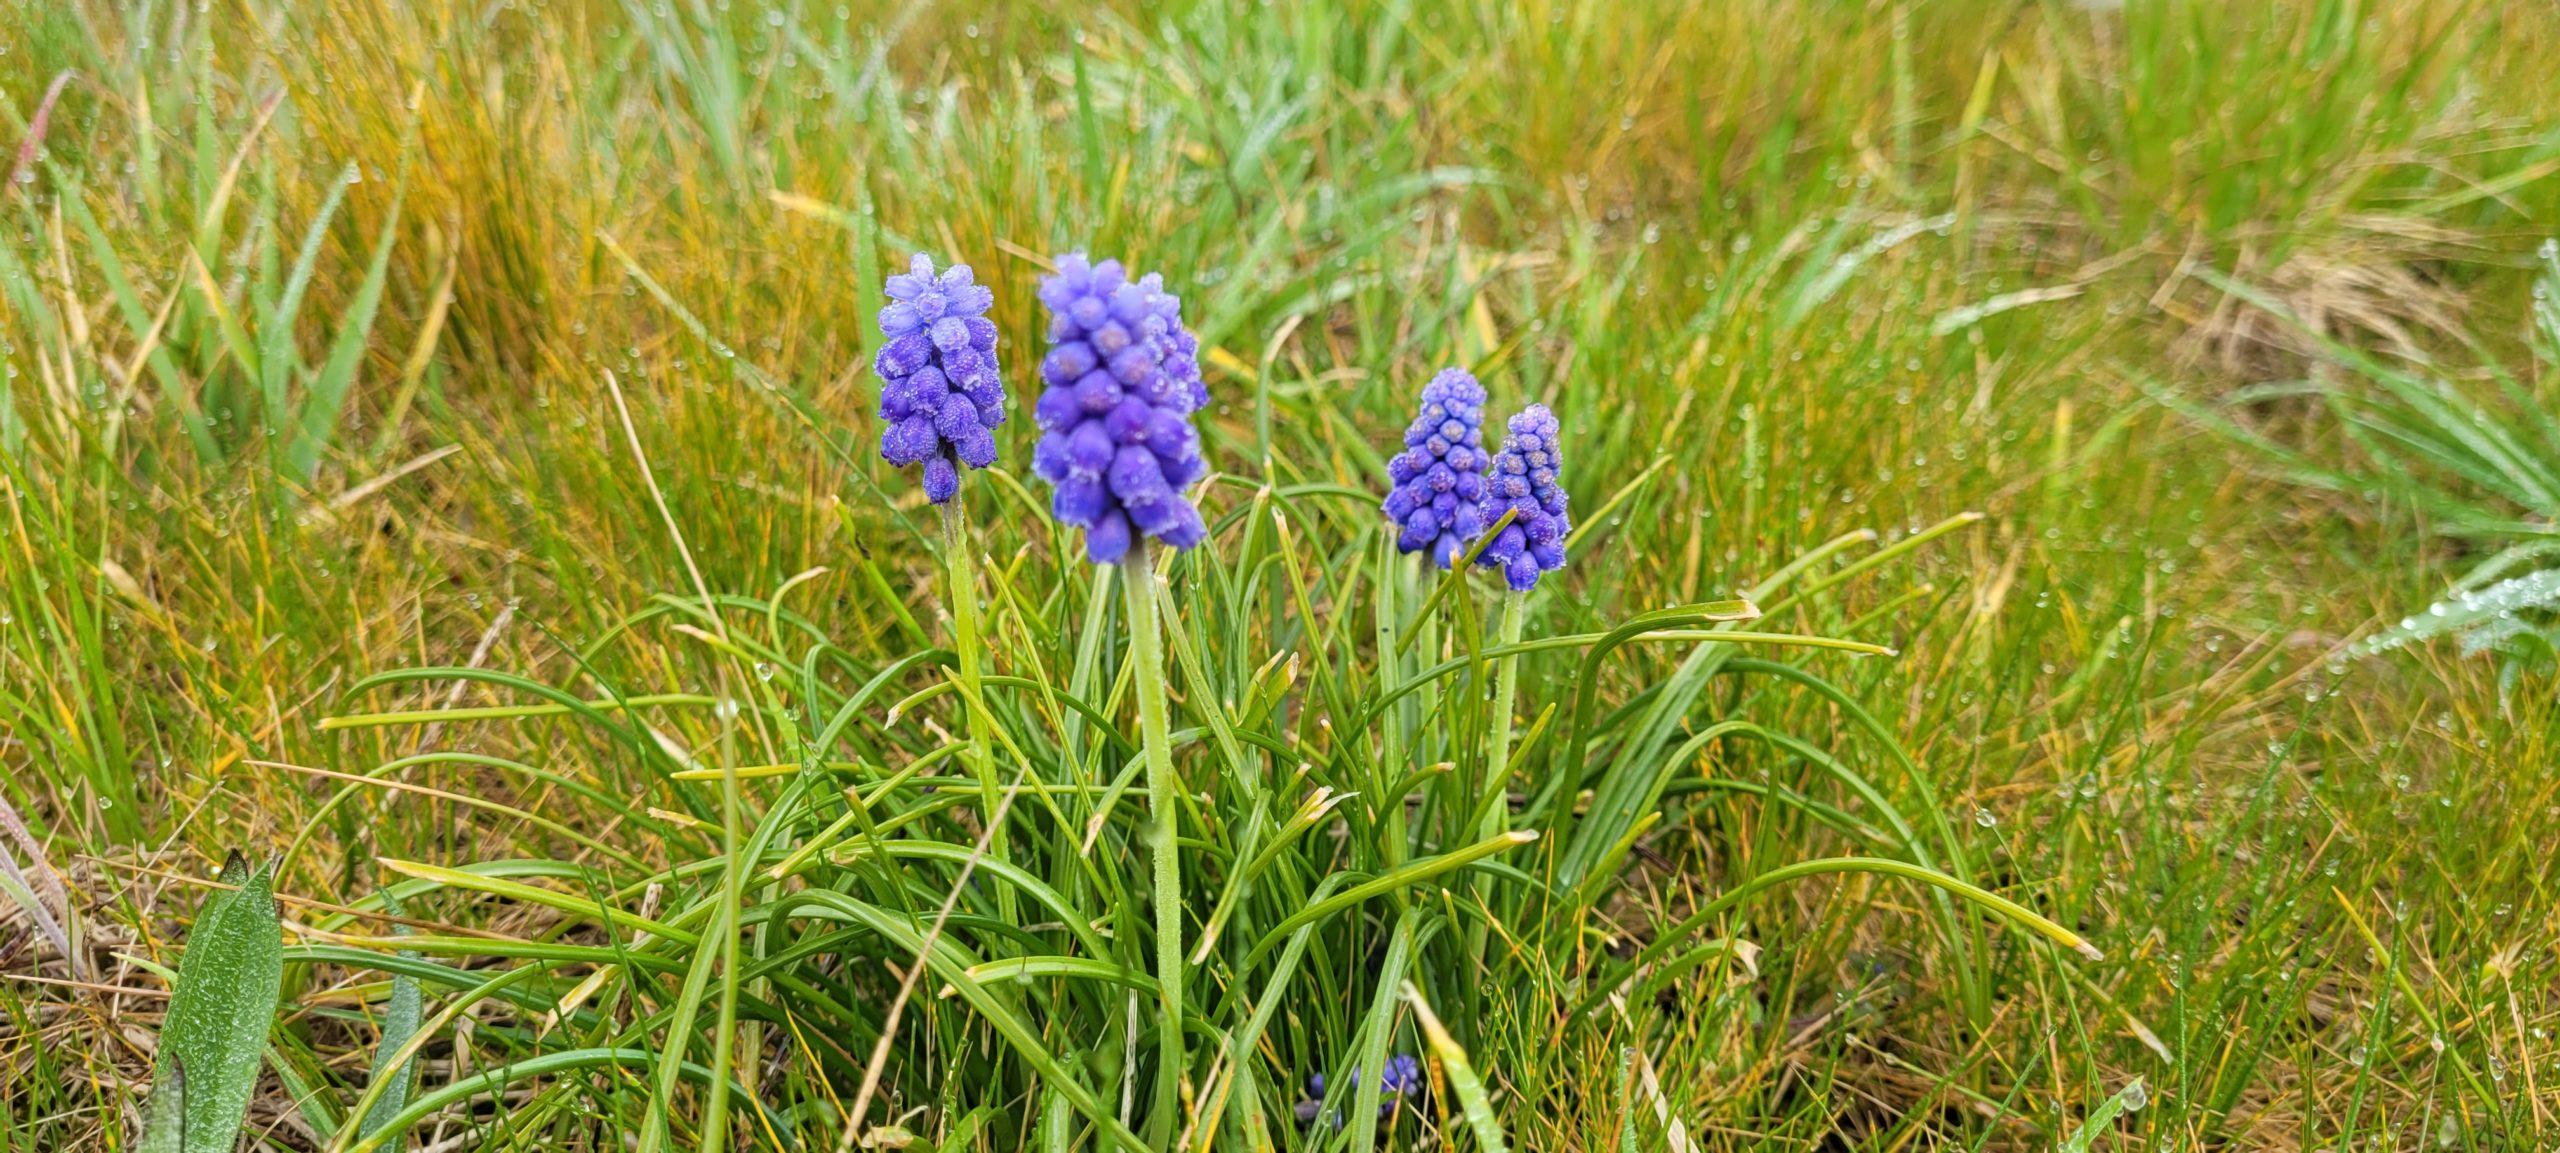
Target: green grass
[(446, 534)]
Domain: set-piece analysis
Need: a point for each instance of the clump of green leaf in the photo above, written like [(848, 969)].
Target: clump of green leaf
[(2508, 604), (2479, 461), (843, 883)]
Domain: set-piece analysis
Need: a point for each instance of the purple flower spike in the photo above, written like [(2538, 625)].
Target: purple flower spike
[(1402, 1079), (939, 393), (1440, 475), (1120, 383), (1403, 1073), (1524, 478)]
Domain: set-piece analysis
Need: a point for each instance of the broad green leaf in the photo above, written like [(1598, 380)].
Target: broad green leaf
[(215, 1036), (164, 1129)]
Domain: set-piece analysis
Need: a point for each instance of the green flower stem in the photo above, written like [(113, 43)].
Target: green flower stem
[(962, 572), (1392, 759), (1146, 655), (1494, 808), (1426, 703), (1506, 677)]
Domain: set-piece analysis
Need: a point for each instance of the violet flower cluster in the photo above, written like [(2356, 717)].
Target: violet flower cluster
[(1524, 479), (1440, 476), (1402, 1078), (940, 393), (1122, 377), (1402, 1075)]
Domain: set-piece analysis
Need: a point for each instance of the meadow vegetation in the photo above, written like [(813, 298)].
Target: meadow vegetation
[(438, 465)]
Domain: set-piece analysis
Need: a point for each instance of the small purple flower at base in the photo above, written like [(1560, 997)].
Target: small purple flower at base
[(941, 480), (1524, 483), (1440, 476), (1121, 380), (940, 394), (1403, 1075), (1402, 1079)]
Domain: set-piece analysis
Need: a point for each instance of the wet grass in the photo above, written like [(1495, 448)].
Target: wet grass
[(310, 312)]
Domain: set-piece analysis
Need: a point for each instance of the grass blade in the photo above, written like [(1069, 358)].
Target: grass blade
[(1473, 1101), (401, 1016), (2129, 1099), (318, 421)]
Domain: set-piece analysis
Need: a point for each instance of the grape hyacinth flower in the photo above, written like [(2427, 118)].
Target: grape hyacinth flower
[(1402, 1078), (941, 397), (1524, 479), (1122, 377), (1439, 477), (940, 392)]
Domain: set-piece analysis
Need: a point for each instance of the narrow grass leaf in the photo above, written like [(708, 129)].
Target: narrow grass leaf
[(1473, 1101)]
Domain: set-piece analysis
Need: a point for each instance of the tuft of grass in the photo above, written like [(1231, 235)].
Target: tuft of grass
[(2472, 462)]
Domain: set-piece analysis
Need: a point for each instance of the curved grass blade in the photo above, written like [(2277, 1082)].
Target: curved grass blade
[(535, 895), (1421, 870), (2005, 908), (1370, 1074), (317, 422), (496, 1080)]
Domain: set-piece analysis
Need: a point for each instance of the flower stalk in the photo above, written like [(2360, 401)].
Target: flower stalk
[(1146, 655), (961, 571), (1393, 755), (1506, 679), (1494, 806)]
